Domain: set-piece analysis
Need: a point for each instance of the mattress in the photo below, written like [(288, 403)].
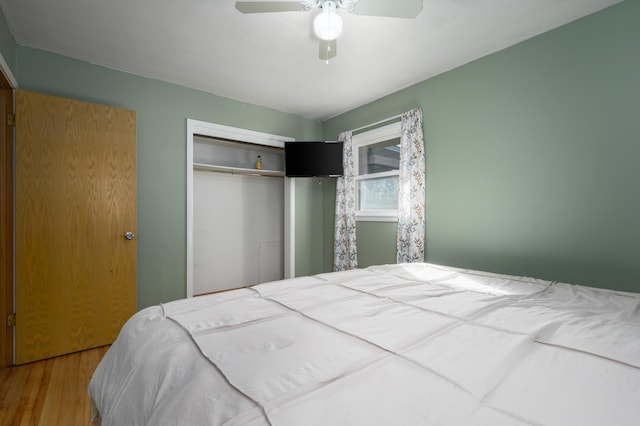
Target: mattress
[(407, 344)]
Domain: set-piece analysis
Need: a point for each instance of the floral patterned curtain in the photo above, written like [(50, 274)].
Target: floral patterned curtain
[(411, 195), (345, 255)]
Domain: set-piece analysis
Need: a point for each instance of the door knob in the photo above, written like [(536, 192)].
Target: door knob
[(129, 235)]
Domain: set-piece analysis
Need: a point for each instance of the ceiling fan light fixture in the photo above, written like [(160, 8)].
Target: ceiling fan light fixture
[(328, 24)]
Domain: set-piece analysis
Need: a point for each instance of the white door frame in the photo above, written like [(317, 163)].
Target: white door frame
[(203, 128)]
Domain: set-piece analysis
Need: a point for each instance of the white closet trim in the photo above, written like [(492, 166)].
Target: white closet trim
[(203, 128)]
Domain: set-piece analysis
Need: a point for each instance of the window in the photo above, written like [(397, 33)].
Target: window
[(376, 160)]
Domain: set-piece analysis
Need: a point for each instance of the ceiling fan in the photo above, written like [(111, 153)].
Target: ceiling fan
[(327, 26)]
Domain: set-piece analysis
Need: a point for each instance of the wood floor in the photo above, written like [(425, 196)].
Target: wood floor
[(49, 392)]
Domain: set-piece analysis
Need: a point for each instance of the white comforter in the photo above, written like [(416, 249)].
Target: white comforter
[(412, 344)]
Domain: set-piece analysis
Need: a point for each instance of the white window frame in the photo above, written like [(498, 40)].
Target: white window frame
[(370, 137)]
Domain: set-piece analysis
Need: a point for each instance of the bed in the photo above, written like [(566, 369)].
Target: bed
[(408, 344)]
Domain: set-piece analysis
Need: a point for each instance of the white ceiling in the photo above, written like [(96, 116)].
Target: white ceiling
[(272, 59)]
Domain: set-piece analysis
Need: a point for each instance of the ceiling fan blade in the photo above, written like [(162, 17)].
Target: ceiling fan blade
[(269, 6), (392, 9), (328, 49)]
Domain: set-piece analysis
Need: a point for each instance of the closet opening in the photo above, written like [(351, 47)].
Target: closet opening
[(239, 209)]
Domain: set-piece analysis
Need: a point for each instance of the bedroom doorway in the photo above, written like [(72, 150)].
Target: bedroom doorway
[(266, 237), (75, 200), (7, 84)]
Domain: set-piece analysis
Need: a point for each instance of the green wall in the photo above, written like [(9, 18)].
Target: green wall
[(309, 231), (7, 44), (162, 110), (532, 157)]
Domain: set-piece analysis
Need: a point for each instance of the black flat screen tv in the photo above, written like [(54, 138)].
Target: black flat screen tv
[(313, 159)]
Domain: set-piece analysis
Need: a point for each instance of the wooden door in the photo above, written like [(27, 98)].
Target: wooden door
[(75, 199)]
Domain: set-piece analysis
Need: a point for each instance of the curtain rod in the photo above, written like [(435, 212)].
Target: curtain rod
[(376, 123)]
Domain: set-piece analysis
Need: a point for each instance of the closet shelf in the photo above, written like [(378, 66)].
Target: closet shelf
[(237, 170)]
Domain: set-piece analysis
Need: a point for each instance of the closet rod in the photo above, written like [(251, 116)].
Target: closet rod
[(237, 170)]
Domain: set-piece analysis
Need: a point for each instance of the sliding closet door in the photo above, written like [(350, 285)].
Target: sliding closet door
[(238, 230)]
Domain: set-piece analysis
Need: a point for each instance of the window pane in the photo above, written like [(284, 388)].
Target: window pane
[(379, 157), (379, 193)]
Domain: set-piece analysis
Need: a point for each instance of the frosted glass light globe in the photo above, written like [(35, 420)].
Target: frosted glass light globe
[(328, 24)]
